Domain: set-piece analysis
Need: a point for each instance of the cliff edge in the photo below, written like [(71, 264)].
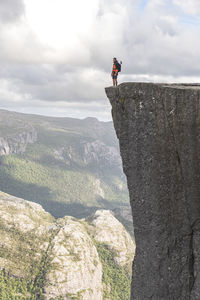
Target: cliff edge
[(158, 127)]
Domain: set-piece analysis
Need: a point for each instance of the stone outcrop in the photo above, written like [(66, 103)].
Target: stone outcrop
[(99, 153), (108, 230), (94, 153), (15, 133), (78, 269), (32, 242), (158, 127), (17, 143), (59, 257)]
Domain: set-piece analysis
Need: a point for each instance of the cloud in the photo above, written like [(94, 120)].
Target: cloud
[(13, 98), (52, 83), (191, 7), (158, 44), (62, 66), (11, 10)]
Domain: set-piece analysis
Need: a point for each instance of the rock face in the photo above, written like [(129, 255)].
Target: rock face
[(91, 154), (98, 153), (108, 230), (61, 250), (158, 127), (78, 270), (59, 259), (23, 235), (16, 143)]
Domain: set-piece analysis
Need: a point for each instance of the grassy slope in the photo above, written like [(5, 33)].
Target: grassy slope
[(63, 187), (116, 279)]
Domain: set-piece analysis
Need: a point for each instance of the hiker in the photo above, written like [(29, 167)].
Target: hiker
[(115, 70)]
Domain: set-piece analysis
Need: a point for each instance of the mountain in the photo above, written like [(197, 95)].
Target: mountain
[(67, 258), (69, 166)]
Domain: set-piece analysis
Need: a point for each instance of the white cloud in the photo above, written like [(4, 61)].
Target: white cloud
[(65, 32), (56, 56), (189, 6), (11, 10), (58, 23)]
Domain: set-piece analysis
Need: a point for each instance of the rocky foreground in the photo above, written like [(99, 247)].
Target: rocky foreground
[(65, 258)]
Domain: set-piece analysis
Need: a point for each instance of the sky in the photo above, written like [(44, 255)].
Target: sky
[(56, 55)]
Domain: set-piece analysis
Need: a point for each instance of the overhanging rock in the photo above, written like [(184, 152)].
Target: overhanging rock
[(158, 127)]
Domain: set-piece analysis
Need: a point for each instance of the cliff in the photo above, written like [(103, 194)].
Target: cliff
[(67, 258), (15, 135), (158, 127)]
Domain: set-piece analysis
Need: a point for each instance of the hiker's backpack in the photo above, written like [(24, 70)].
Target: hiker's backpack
[(118, 66)]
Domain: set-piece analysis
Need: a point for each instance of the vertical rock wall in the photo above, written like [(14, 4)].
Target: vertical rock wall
[(17, 143), (158, 127)]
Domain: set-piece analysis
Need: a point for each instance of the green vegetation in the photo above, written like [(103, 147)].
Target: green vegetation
[(13, 288), (29, 256), (51, 185), (21, 253), (8, 127), (115, 278), (53, 171), (116, 281), (77, 296), (56, 173)]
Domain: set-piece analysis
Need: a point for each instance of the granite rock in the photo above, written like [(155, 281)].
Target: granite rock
[(60, 255), (17, 143), (158, 127)]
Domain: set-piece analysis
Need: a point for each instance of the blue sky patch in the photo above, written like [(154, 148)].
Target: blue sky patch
[(142, 5)]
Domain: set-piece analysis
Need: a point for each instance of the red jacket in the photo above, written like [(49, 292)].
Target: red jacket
[(114, 69)]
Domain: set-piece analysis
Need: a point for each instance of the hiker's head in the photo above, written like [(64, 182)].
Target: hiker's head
[(114, 59)]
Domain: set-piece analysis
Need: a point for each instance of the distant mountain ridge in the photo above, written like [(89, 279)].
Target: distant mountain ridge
[(70, 166)]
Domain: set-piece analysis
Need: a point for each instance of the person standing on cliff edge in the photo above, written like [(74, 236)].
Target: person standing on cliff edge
[(115, 70)]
